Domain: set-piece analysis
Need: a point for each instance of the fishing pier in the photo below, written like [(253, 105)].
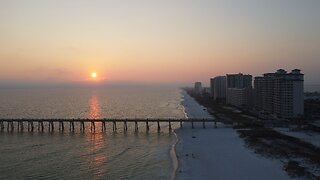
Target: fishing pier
[(40, 124)]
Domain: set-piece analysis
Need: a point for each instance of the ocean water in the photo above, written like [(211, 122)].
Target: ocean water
[(89, 155), (311, 87)]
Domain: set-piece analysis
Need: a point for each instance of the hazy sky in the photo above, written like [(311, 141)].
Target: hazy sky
[(167, 41)]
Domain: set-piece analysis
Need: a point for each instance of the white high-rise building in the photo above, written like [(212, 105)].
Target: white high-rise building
[(280, 93)]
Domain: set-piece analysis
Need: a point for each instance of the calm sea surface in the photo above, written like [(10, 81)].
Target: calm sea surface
[(108, 155)]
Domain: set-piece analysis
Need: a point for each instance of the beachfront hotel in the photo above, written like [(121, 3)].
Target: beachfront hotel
[(218, 87), (280, 94), (198, 87), (239, 90)]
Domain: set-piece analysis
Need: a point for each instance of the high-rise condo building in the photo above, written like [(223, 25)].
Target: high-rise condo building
[(218, 87), (198, 87), (239, 90), (280, 94)]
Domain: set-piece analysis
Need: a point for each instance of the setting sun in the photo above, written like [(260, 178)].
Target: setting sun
[(93, 75)]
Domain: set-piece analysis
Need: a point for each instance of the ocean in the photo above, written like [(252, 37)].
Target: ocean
[(311, 87), (89, 155)]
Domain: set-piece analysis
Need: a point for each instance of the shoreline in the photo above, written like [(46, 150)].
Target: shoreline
[(173, 152), (174, 158), (221, 156)]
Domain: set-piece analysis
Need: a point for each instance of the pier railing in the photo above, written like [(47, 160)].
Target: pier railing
[(40, 124)]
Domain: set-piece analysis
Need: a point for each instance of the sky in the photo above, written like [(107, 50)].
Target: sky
[(161, 42)]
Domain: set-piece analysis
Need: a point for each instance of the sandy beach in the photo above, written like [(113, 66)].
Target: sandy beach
[(218, 153)]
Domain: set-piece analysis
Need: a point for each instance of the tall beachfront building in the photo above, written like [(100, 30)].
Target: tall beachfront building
[(198, 87), (239, 90), (212, 87), (280, 94), (218, 87)]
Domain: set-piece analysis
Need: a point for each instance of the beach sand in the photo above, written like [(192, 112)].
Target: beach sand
[(218, 153)]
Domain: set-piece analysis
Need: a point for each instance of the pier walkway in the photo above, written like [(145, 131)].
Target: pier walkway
[(40, 124)]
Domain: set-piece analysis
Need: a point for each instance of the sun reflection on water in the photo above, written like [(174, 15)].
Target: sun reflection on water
[(97, 158), (95, 110)]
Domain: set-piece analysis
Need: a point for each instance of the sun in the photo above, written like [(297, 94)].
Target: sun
[(93, 75)]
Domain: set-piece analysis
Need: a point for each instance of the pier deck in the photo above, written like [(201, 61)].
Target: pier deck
[(10, 123)]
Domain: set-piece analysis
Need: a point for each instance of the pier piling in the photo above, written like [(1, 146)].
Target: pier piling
[(93, 126), (147, 126), (82, 127), (114, 126), (125, 126), (158, 126), (10, 126), (20, 126), (30, 126), (51, 126), (103, 126), (2, 125), (40, 126), (61, 126)]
